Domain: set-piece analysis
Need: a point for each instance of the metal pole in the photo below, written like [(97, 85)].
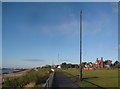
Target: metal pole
[(80, 76), (58, 59)]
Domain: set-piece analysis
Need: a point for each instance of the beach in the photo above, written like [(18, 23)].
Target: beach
[(12, 75)]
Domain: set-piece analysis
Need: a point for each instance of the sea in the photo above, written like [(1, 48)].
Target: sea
[(8, 71)]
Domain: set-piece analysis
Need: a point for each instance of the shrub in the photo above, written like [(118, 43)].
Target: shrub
[(20, 82)]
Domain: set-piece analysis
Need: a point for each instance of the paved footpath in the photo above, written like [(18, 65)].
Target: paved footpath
[(61, 81)]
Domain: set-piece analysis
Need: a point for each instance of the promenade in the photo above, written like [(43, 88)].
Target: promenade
[(61, 81)]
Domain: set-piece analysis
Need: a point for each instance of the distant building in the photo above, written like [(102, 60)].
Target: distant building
[(99, 63), (107, 63), (88, 66)]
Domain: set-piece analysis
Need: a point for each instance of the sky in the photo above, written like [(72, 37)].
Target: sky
[(60, 0), (119, 32), (0, 35), (34, 34)]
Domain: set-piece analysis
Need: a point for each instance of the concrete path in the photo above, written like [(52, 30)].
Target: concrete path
[(61, 81)]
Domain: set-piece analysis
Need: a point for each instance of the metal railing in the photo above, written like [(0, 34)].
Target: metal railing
[(49, 81)]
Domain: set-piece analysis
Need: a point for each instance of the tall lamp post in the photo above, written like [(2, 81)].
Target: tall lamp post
[(80, 66)]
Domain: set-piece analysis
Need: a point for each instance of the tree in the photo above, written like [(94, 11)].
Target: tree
[(64, 65), (115, 63)]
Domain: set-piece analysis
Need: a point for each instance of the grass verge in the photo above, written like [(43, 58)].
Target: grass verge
[(94, 78), (37, 77)]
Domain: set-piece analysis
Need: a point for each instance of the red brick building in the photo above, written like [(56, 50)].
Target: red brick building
[(99, 63)]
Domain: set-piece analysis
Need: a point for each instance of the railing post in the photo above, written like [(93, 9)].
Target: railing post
[(48, 84)]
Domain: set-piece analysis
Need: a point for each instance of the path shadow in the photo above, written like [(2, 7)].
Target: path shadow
[(90, 77), (85, 79), (99, 87)]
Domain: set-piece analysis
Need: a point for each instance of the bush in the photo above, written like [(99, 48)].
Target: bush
[(19, 83)]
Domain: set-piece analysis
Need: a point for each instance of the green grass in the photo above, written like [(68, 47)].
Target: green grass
[(91, 78), (39, 77)]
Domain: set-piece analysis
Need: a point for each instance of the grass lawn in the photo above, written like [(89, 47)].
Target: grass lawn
[(92, 78)]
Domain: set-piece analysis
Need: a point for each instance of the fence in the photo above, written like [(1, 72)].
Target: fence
[(49, 81)]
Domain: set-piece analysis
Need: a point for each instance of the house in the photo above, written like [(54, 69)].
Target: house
[(88, 66), (99, 63), (107, 63)]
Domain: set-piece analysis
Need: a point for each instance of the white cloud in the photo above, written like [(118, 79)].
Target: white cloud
[(92, 27), (64, 28), (101, 23), (67, 27)]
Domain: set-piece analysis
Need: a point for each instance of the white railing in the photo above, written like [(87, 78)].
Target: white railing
[(49, 81)]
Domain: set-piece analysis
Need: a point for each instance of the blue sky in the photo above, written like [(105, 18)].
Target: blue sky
[(34, 33), (60, 1), (0, 35)]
